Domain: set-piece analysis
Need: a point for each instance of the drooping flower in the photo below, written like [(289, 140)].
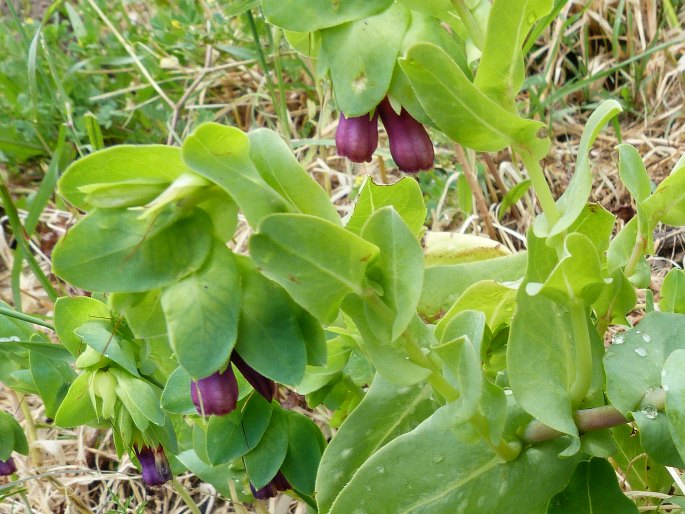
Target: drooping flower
[(357, 138), (276, 484), (264, 386), (7, 467), (410, 145), (154, 465), (216, 394)]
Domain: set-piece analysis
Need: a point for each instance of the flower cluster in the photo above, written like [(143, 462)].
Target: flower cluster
[(410, 145)]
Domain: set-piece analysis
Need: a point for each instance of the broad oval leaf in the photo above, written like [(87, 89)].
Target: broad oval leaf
[(149, 165), (202, 313), (265, 460), (317, 262), (461, 110), (305, 16), (673, 382), (439, 473), (71, 313), (386, 412), (112, 250), (361, 56)]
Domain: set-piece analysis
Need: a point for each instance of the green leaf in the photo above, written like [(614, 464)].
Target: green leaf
[(385, 413), (139, 396), (103, 338), (113, 250), (434, 7), (281, 171), (496, 301), (673, 382), (222, 155), (305, 445), (572, 202), (232, 436), (667, 203), (656, 439), (635, 360), (390, 361), (143, 312), (176, 395), (398, 269), (121, 166), (76, 408), (303, 16), (577, 275), (616, 300), (404, 196), (265, 460), (593, 488), (317, 262), (501, 69), (52, 378), (361, 55), (443, 285), (13, 438), (202, 314), (314, 338), (461, 110), (73, 312), (633, 172), (126, 193), (219, 476), (425, 461), (673, 292), (270, 337), (540, 361), (512, 196)]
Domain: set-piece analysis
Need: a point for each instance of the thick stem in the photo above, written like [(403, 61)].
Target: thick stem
[(583, 347), (542, 190), (6, 311)]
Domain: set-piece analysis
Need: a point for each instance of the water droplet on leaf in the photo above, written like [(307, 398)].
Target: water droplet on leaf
[(438, 458), (641, 351), (650, 412), (646, 338), (618, 338)]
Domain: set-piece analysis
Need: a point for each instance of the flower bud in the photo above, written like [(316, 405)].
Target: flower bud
[(7, 467), (277, 483), (216, 394), (154, 465), (264, 386), (357, 137), (410, 145)]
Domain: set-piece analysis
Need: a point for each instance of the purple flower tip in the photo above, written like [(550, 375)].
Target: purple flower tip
[(154, 464), (7, 467), (216, 394), (410, 145), (277, 483), (357, 137), (264, 386)]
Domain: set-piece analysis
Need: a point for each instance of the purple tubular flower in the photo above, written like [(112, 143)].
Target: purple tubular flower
[(216, 394), (277, 483), (264, 386), (410, 145), (357, 137), (7, 467), (154, 464)]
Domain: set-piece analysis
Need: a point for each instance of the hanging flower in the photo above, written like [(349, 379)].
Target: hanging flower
[(7, 467), (154, 465), (264, 386), (216, 394), (276, 484), (357, 138)]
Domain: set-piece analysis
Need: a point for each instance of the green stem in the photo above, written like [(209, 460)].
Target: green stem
[(470, 23), (6, 311), (31, 432), (635, 254), (185, 496), (542, 190), (581, 337)]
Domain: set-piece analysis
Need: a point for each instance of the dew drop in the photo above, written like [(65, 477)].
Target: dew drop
[(641, 351), (380, 469), (665, 387), (650, 412), (346, 453), (618, 338), (646, 338), (663, 373), (508, 392), (437, 458), (425, 351)]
